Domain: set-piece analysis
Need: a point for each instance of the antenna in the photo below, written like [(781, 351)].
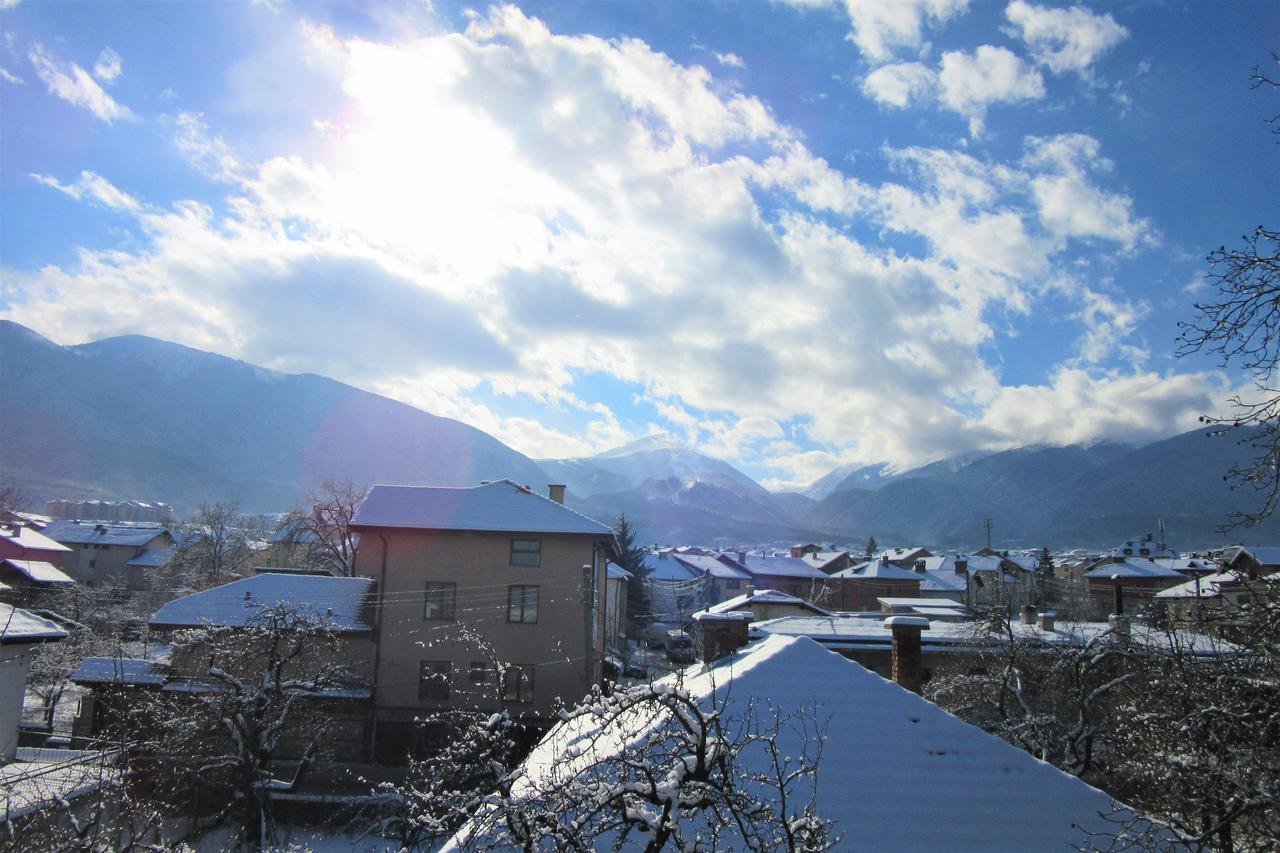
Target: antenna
[(987, 523), (1160, 524)]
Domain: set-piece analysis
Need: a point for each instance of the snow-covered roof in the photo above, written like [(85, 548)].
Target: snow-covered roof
[(1189, 565), (938, 607), (713, 566), (616, 572), (152, 558), (118, 671), (339, 603), (40, 778), (666, 568), (1136, 568), (38, 571), (879, 570), (25, 537), (855, 632), (1264, 555), (1209, 586), (823, 558), (896, 772), (1143, 546), (785, 567), (70, 531), (903, 553), (759, 597), (20, 626), (500, 506)]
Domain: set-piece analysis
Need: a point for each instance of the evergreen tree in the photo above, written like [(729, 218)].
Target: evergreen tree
[(1046, 562), (872, 547), (631, 558)]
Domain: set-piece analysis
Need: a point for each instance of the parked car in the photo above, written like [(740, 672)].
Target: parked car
[(680, 647), (636, 669)]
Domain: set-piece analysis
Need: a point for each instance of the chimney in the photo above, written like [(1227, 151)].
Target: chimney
[(907, 669), (555, 491), (1117, 592), (919, 566), (722, 633), (1119, 624), (962, 566), (1028, 614), (742, 557), (247, 595), (1046, 620)]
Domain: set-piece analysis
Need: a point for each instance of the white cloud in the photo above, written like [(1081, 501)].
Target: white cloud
[(9, 4), (108, 67), (10, 77), (514, 207), (1109, 324), (1070, 204), (880, 28), (93, 187), (1065, 39), (969, 83), (899, 84), (74, 85), (730, 59)]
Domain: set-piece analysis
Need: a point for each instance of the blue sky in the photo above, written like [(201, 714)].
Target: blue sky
[(794, 234)]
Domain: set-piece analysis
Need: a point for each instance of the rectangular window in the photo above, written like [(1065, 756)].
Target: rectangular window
[(440, 598), (526, 552), (517, 683), (433, 679), (522, 604), (479, 671)]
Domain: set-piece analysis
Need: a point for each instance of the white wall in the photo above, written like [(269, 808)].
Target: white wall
[(14, 660)]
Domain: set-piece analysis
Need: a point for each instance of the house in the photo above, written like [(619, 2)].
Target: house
[(25, 578), (862, 585), (765, 604), (19, 542), (792, 575), (20, 634), (102, 551), (472, 577), (1219, 596), (722, 579), (675, 590), (1137, 575), (615, 605), (896, 772), (870, 642), (1252, 559), (342, 606), (904, 558), (828, 562)]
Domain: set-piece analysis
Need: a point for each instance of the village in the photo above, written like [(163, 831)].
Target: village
[(348, 668)]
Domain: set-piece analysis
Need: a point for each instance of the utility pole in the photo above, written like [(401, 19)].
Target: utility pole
[(986, 522)]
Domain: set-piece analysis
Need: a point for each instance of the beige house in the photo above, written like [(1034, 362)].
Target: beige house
[(491, 596), (102, 551)]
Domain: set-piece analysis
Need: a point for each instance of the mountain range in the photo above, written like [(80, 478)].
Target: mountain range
[(136, 417)]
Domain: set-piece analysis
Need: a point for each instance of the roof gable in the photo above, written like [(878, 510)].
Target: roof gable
[(498, 507)]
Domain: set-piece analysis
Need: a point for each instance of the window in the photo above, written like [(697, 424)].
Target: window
[(733, 584), (526, 552), (439, 600), (480, 672), (433, 679), (517, 683), (522, 604)]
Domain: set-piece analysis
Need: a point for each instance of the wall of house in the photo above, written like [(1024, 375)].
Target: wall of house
[(615, 620), (98, 564), (480, 566), (860, 594), (14, 661)]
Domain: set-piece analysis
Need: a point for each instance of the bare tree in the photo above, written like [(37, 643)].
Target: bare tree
[(1242, 329), (213, 546), (13, 499), (322, 524), (250, 707)]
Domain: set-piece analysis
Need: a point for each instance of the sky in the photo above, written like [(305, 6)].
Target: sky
[(794, 235)]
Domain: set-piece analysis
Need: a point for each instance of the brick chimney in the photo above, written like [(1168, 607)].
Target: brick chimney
[(555, 491), (722, 633), (962, 566), (919, 566), (907, 669), (1046, 621), (1028, 614)]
